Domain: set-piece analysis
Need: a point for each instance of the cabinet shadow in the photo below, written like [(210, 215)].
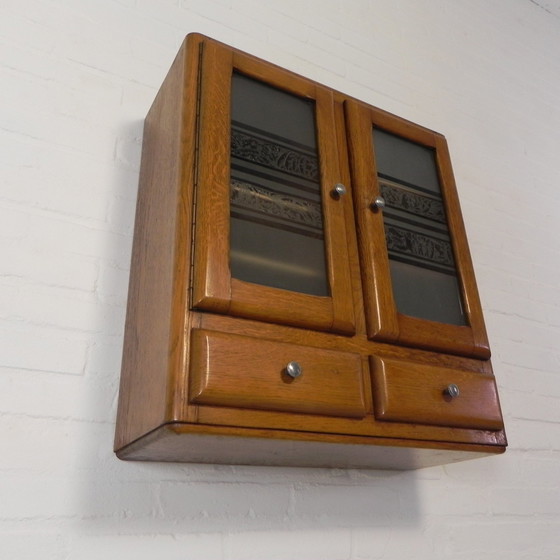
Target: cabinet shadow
[(118, 497)]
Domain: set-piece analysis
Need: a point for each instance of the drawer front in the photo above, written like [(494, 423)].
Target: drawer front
[(422, 394), (243, 372)]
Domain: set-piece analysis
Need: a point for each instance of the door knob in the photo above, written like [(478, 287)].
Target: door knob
[(338, 190), (293, 369), (452, 390)]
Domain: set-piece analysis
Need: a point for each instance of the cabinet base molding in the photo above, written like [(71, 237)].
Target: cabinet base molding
[(189, 443)]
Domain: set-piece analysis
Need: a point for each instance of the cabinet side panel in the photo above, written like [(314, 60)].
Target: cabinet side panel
[(145, 365)]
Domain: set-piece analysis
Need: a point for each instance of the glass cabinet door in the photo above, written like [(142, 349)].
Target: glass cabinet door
[(418, 279), (421, 259), (270, 237), (276, 221)]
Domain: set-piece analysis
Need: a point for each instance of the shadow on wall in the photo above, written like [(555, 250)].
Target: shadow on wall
[(163, 498), (113, 496)]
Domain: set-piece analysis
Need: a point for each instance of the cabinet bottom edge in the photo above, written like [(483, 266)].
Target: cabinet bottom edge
[(189, 443)]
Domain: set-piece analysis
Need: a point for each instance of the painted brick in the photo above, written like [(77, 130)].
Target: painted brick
[(489, 538), (47, 444), (223, 500), (40, 395), (145, 547), (77, 79), (24, 546), (35, 266), (347, 503), (40, 348), (292, 545)]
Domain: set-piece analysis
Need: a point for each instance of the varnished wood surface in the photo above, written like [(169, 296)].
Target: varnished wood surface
[(335, 235), (213, 287), (409, 392), (381, 317), (220, 416), (349, 219), (383, 320), (146, 353), (245, 372), (203, 444), (359, 343), (281, 306), (211, 281), (368, 426), (184, 239), (471, 299)]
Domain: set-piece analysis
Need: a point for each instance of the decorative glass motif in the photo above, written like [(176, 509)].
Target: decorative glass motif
[(254, 147), (422, 264), (276, 219), (277, 210), (416, 228)]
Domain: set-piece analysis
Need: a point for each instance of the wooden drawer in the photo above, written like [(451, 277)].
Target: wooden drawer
[(243, 372), (416, 393)]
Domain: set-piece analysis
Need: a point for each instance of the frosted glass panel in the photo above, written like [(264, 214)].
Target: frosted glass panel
[(276, 217), (422, 264)]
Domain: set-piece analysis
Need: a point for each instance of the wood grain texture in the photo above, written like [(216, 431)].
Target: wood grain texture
[(471, 299), (180, 318), (380, 309), (203, 444), (384, 321), (358, 343), (439, 337), (145, 364), (349, 216), (213, 288), (336, 239), (211, 278), (409, 392), (368, 426), (280, 306), (244, 372), (203, 355)]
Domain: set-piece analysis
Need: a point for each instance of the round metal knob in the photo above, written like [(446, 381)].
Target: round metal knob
[(293, 369), (452, 390), (339, 190), (378, 203)]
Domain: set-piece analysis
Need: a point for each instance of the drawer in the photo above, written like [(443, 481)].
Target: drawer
[(417, 393), (243, 372)]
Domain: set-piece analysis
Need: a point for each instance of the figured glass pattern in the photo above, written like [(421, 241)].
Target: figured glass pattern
[(421, 259), (276, 217)]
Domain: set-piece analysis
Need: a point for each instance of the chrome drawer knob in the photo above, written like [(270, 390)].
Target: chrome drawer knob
[(452, 390), (378, 203), (293, 369), (339, 190)]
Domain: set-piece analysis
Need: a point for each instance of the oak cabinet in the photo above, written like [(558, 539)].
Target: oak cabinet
[(270, 240), (301, 289)]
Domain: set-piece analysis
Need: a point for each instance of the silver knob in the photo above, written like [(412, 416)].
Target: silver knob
[(338, 190), (378, 203), (452, 390), (293, 369)]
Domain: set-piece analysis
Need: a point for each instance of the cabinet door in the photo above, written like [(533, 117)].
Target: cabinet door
[(417, 273), (270, 238)]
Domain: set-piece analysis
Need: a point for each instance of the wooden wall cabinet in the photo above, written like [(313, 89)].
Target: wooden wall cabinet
[(301, 289)]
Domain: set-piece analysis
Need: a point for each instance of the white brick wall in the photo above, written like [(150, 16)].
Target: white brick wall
[(76, 79)]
